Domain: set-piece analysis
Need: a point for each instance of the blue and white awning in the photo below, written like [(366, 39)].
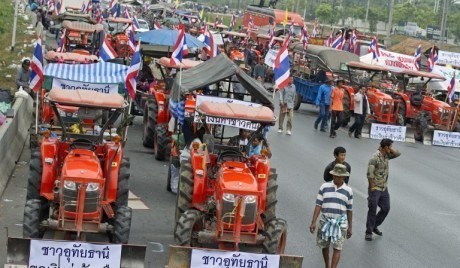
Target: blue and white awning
[(96, 73)]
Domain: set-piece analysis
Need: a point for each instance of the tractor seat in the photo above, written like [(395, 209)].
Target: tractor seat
[(416, 99)]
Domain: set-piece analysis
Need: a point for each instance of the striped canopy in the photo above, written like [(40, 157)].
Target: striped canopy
[(96, 73)]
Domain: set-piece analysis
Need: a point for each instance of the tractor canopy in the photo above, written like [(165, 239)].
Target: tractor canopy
[(186, 63), (86, 98), (69, 57), (212, 72), (260, 114), (82, 26)]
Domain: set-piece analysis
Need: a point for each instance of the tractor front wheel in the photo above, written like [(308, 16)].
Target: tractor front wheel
[(32, 218), (275, 236), (184, 189), (297, 101), (150, 121), (35, 175), (123, 183), (175, 162), (162, 142), (121, 225), (272, 187), (189, 224)]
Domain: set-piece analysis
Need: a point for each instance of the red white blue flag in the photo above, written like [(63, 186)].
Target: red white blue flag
[(314, 33), (304, 37), (374, 48), (156, 25), (83, 8), (432, 59), (106, 51), (113, 7), (451, 90), (418, 57), (126, 13), (132, 40), (61, 43), (251, 23), (36, 75), (338, 42), (89, 7), (133, 71), (232, 22), (282, 66), (353, 40), (329, 40), (178, 49), (136, 23)]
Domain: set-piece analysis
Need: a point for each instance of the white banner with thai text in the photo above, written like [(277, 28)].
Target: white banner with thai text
[(201, 98), (270, 58), (447, 139), (228, 259), (73, 254), (395, 133), (396, 61), (448, 58), (74, 85), (232, 122)]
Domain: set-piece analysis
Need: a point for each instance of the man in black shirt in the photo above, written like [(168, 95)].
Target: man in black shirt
[(339, 154)]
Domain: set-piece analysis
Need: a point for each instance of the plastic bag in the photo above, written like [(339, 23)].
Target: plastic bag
[(174, 178)]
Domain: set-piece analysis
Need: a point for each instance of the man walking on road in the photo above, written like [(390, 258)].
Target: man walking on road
[(339, 154), (335, 202), (287, 99), (361, 109), (377, 175), (336, 107), (323, 100)]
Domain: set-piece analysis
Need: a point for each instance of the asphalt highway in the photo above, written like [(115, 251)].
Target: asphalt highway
[(421, 230)]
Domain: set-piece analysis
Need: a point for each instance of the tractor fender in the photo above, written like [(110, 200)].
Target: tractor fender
[(351, 93), (261, 170), (114, 156), (162, 107), (199, 178), (50, 160), (405, 101)]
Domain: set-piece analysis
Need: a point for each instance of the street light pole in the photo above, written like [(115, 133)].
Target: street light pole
[(443, 21), (367, 10), (390, 18), (15, 23)]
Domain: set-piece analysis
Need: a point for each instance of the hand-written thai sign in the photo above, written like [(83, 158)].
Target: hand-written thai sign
[(201, 98), (396, 61), (74, 85), (231, 122), (447, 57), (448, 139), (395, 133), (270, 58), (73, 255), (228, 259)]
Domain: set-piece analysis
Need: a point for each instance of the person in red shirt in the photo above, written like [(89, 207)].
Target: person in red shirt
[(336, 107)]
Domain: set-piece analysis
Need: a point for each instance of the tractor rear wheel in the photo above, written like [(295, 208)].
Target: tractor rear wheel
[(272, 187), (189, 224), (123, 183), (297, 101), (184, 189), (121, 225), (175, 162), (32, 219), (162, 141), (275, 236), (150, 121), (35, 175)]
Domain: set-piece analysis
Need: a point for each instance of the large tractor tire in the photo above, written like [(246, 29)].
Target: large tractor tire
[(150, 122), (297, 101), (32, 219), (162, 142), (35, 175), (188, 225), (275, 236), (185, 189), (272, 187), (123, 183), (121, 225), (175, 162)]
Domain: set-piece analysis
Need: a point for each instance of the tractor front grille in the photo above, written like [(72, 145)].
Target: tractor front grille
[(229, 209), (69, 200)]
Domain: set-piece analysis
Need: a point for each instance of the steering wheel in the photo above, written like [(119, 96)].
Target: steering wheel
[(231, 155), (83, 144)]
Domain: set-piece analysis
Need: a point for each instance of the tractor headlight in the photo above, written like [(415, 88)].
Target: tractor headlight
[(250, 199), (229, 197), (70, 185), (92, 187)]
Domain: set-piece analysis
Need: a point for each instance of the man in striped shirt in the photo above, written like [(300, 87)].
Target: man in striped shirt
[(335, 203)]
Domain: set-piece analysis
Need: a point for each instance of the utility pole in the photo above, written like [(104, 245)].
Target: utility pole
[(15, 23), (367, 10), (390, 18), (444, 21)]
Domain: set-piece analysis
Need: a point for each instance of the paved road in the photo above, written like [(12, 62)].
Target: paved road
[(421, 230)]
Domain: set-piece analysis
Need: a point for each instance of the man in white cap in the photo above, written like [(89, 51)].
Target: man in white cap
[(335, 203)]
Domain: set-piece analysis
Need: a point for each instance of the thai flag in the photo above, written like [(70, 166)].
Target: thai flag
[(329, 40), (282, 67), (57, 8), (291, 29), (113, 7), (251, 23), (178, 49), (374, 48), (353, 41), (51, 5), (106, 51), (83, 7), (271, 33), (314, 33), (136, 23), (432, 59), (304, 37), (36, 76), (156, 26), (61, 43), (232, 22), (338, 42), (133, 71), (204, 27), (126, 13), (418, 57), (132, 40), (451, 89), (210, 45)]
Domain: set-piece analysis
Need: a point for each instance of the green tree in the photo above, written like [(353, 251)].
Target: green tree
[(324, 12)]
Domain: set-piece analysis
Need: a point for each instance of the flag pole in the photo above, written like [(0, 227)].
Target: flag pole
[(125, 138), (36, 114)]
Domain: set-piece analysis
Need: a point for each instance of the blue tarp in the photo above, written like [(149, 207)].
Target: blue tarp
[(96, 73), (165, 37)]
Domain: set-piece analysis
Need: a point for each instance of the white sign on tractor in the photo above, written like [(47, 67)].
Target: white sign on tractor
[(447, 139), (227, 259), (381, 131)]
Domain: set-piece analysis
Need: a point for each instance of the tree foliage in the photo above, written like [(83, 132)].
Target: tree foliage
[(324, 12)]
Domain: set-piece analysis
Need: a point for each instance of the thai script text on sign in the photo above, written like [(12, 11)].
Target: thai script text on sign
[(447, 57), (270, 58), (232, 122), (228, 259), (73, 255), (448, 139), (395, 60), (74, 85), (395, 133), (201, 98)]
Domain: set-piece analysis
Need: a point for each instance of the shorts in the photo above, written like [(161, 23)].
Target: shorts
[(326, 243)]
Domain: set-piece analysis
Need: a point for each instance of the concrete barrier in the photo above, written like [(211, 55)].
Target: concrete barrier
[(13, 135)]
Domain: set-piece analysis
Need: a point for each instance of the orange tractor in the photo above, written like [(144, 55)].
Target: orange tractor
[(79, 179), (117, 28), (81, 37), (226, 197)]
